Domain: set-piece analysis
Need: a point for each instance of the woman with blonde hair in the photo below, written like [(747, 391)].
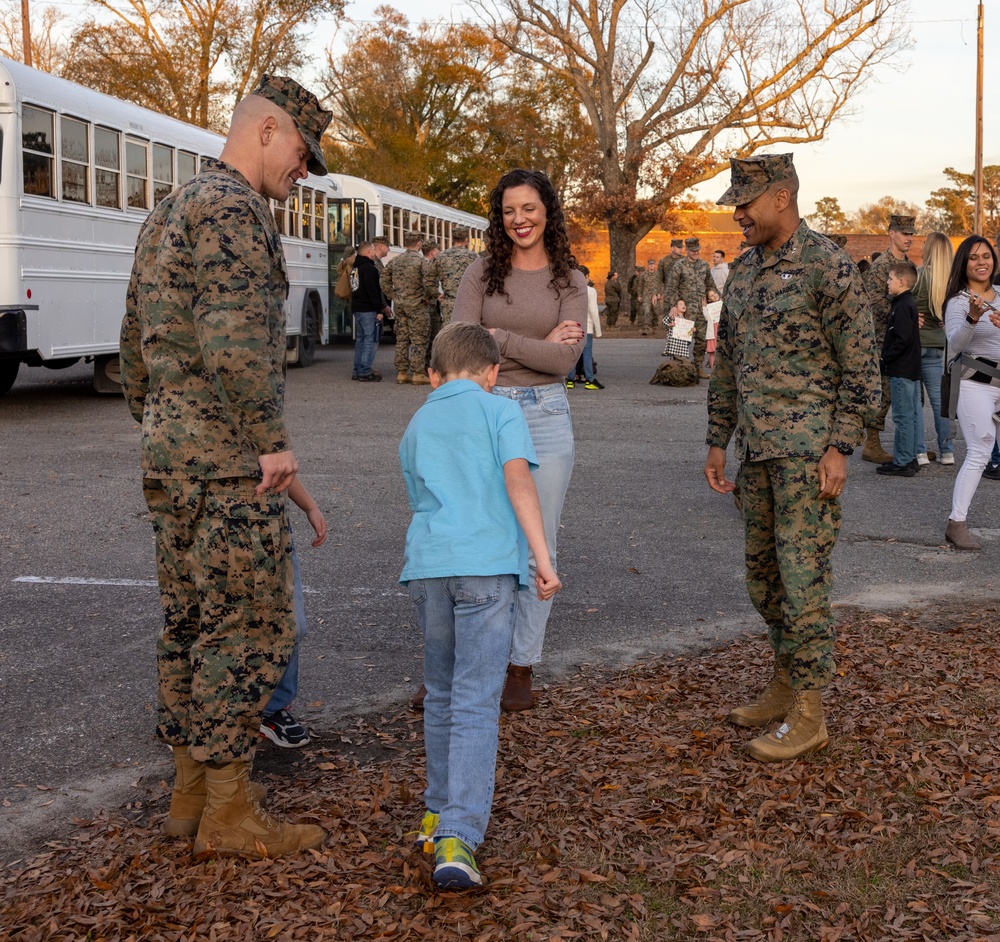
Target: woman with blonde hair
[(929, 293)]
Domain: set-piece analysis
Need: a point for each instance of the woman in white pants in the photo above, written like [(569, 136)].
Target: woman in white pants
[(972, 325)]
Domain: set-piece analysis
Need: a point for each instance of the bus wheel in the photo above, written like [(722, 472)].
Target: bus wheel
[(108, 374), (8, 373), (307, 339)]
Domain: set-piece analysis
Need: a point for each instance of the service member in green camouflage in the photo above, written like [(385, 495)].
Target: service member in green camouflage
[(202, 351), (795, 373), (430, 251), (634, 284), (668, 261), (612, 298), (650, 295), (690, 280), (402, 282), (445, 274), (901, 231)]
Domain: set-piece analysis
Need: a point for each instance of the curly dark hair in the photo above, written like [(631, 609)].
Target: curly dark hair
[(958, 280), (499, 244)]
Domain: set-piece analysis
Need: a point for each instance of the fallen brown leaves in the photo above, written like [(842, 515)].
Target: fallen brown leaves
[(625, 810)]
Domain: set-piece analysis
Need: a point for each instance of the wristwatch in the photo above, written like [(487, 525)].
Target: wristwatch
[(844, 450), (968, 318)]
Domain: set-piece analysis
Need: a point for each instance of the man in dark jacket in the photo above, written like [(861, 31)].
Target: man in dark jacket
[(368, 306)]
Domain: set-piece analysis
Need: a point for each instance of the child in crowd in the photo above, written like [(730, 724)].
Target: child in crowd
[(586, 359), (711, 312), (467, 459), (901, 363), (277, 723)]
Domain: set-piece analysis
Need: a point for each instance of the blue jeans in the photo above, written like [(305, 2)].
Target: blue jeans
[(588, 360), (546, 410), (931, 367), (468, 624), (288, 686), (906, 415), (365, 341)]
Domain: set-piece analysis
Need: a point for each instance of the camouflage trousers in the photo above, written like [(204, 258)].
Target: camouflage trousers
[(876, 420), (790, 536), (700, 342), (611, 314), (436, 323), (224, 564), (647, 311), (412, 329)]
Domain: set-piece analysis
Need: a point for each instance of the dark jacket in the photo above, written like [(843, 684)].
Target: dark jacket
[(368, 297), (901, 350)]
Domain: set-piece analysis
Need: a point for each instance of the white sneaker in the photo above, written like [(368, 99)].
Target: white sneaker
[(947, 458), (922, 458)]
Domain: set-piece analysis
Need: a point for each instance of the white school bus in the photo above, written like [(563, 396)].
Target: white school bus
[(79, 172)]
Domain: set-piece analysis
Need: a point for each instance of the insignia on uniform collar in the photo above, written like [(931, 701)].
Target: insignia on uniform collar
[(785, 276)]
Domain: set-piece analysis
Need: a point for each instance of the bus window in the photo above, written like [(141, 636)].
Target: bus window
[(163, 171), (362, 228), (295, 212), (340, 222), (307, 212), (187, 166), (37, 138), (74, 146), (107, 168), (281, 217), (319, 217), (137, 174)]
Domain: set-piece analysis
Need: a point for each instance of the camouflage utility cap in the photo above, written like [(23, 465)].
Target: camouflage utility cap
[(304, 109), (693, 242), (381, 240), (676, 243), (459, 234), (905, 224), (754, 176)]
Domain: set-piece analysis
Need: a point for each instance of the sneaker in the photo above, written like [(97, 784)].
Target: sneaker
[(372, 377), (593, 384), (992, 472), (283, 730), (425, 836), (922, 458), (454, 866), (947, 457), (570, 384), (897, 470)]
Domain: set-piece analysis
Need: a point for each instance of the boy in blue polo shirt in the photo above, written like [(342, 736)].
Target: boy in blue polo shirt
[(467, 459)]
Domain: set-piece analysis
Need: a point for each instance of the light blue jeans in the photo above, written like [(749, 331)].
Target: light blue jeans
[(588, 361), (931, 367), (288, 686), (906, 416), (468, 623), (365, 341), (546, 410)]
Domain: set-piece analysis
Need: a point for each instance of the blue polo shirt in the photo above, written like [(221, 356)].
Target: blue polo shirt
[(453, 453)]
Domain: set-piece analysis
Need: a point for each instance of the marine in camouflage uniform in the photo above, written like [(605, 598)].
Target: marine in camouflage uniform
[(430, 251), (445, 273), (402, 282), (667, 263), (612, 298), (202, 355), (650, 294), (795, 373), (901, 230), (691, 279), (633, 294)]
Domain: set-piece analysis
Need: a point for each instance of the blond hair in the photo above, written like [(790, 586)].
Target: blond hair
[(937, 257)]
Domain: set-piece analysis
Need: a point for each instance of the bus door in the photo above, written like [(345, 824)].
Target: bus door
[(348, 227)]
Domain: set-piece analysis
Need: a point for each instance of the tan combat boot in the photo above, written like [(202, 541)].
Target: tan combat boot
[(402, 377), (421, 379), (234, 823), (957, 533), (772, 703), (803, 731), (873, 448), (517, 694), (187, 801)]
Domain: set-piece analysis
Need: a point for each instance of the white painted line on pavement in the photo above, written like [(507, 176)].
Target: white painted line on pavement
[(70, 580)]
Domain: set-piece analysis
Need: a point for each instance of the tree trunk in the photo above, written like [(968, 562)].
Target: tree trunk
[(622, 240)]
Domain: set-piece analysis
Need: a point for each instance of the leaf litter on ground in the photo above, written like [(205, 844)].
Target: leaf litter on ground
[(626, 809)]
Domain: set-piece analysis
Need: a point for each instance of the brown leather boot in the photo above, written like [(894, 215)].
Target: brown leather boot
[(873, 448), (803, 731), (187, 801), (417, 700), (421, 379), (772, 703), (402, 377), (234, 823), (517, 695), (957, 533)]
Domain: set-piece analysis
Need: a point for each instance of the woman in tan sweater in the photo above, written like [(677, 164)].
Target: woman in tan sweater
[(528, 293)]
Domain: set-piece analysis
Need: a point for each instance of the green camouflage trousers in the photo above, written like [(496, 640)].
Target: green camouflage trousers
[(224, 564), (413, 330), (876, 420), (790, 536)]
